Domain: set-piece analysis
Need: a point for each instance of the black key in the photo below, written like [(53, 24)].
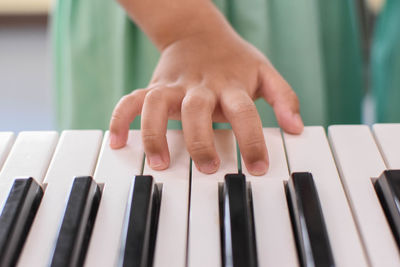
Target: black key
[(387, 187), (308, 223), (238, 242), (76, 228), (140, 229), (17, 217)]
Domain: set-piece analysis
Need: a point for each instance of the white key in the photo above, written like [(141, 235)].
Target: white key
[(358, 160), (278, 168), (116, 170), (310, 152), (274, 235), (29, 157), (388, 139), (171, 241), (6, 141), (75, 155), (204, 230)]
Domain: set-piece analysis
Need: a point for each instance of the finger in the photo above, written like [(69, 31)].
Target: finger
[(124, 113), (241, 112), (154, 122), (278, 93), (197, 108)]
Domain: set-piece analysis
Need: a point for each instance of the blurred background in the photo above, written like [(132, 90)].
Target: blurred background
[(25, 63), (25, 66)]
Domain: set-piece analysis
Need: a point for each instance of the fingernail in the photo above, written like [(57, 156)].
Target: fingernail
[(113, 140), (156, 161), (209, 167), (258, 168)]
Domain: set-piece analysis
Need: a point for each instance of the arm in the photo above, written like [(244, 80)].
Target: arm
[(166, 21)]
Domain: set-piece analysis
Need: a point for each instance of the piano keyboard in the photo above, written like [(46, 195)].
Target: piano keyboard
[(70, 200)]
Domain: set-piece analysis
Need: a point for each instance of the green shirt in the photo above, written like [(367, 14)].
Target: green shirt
[(385, 62), (100, 55)]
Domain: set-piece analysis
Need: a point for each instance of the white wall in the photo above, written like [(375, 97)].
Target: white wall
[(25, 87)]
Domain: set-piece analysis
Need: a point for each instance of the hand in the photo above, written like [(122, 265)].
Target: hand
[(199, 79)]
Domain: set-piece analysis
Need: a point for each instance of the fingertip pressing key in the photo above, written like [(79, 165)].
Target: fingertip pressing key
[(209, 167), (295, 125), (298, 123), (116, 141), (246, 124), (113, 141), (197, 108), (157, 104), (258, 168), (157, 163)]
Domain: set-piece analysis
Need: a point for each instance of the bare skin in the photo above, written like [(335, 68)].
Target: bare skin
[(206, 73)]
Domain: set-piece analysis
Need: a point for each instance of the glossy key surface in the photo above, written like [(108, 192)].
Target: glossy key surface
[(138, 238), (204, 225), (358, 160), (311, 152), (172, 231), (387, 187), (274, 236), (308, 222), (79, 217), (16, 218), (75, 155), (238, 242), (115, 170)]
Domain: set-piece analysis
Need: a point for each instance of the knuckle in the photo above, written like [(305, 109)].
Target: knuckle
[(152, 141), (294, 98), (117, 122), (291, 100), (201, 149), (154, 96), (195, 103), (254, 143), (125, 99), (116, 116), (131, 98), (243, 109), (254, 148), (136, 93), (148, 136)]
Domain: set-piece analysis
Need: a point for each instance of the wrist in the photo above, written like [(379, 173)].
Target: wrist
[(202, 19)]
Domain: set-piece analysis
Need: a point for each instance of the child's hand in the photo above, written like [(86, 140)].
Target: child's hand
[(202, 79), (208, 75)]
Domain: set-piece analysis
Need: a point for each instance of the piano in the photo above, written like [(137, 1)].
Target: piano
[(327, 200)]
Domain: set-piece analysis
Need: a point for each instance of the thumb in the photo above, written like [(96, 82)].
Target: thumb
[(278, 93)]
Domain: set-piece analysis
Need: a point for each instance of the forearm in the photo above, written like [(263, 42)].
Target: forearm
[(166, 21)]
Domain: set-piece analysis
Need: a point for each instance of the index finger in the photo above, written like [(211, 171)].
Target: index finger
[(124, 113)]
